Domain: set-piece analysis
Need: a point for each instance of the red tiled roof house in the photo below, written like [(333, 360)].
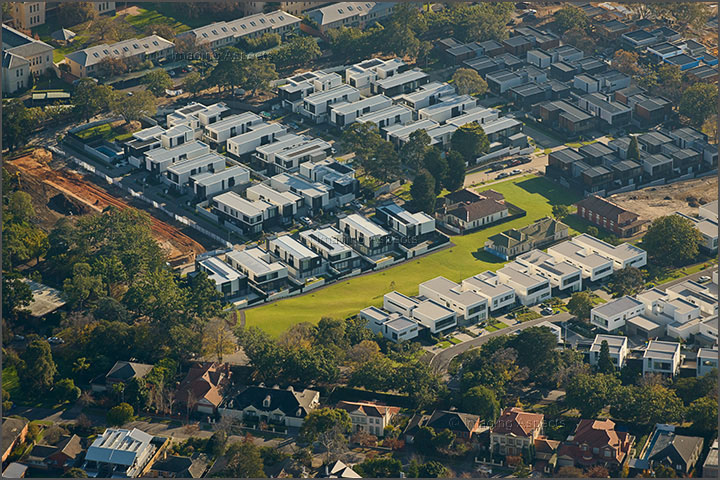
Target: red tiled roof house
[(516, 430), (595, 442)]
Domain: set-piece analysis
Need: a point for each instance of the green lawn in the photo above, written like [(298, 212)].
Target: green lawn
[(454, 340), (464, 259), (496, 326), (443, 344), (682, 272), (10, 381), (152, 17), (106, 132)]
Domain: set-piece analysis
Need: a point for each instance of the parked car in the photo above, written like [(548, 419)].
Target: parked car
[(55, 340), (524, 160), (546, 311), (306, 221), (502, 175), (704, 279), (515, 171)]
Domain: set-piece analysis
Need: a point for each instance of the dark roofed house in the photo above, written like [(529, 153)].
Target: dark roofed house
[(175, 466), (63, 456), (286, 407), (203, 387), (516, 241), (13, 434), (609, 216), (464, 211), (463, 425), (121, 372), (565, 117), (596, 442), (612, 29), (678, 452)]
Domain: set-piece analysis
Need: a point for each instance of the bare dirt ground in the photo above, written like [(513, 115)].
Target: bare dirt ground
[(62, 192), (653, 202)]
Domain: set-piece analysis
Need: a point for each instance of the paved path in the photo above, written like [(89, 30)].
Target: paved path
[(441, 360)]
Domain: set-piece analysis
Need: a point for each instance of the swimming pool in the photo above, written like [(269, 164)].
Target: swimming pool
[(107, 151)]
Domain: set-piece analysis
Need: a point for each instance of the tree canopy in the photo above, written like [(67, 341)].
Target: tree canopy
[(672, 241)]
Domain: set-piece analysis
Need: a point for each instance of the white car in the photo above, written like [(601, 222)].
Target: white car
[(704, 279), (55, 340)]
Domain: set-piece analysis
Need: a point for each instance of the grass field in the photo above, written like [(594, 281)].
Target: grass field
[(464, 259), (496, 326), (106, 132), (152, 17)]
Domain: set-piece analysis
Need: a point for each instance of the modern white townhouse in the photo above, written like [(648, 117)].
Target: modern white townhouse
[(401, 83), (328, 243), (396, 302), (197, 116), (176, 136), (611, 316), (387, 117), (563, 276), (223, 34), (219, 132), (529, 287), (349, 14), (88, 61), (400, 134), (488, 284), (316, 106), (288, 152), (363, 75), (470, 307), (623, 255), (707, 360), (708, 228), (365, 236), (441, 135), (142, 142), (594, 267), (662, 358), (160, 159), (433, 316), (617, 347), (393, 326), (343, 114), (448, 108), (428, 94), (244, 144), (697, 294), (263, 273), (302, 85), (22, 57), (178, 175), (228, 281), (316, 196), (410, 226), (207, 184), (335, 175), (302, 262), (248, 215), (286, 202), (480, 115)]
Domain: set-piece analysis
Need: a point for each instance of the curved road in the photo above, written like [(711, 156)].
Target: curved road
[(441, 360)]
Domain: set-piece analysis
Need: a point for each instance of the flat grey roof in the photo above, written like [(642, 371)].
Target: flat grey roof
[(616, 307)]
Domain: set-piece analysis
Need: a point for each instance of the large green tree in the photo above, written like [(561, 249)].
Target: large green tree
[(132, 108), (470, 141), (469, 82), (437, 165), (157, 81), (412, 153), (605, 364), (244, 460), (422, 192), (591, 393), (580, 305), (672, 241), (455, 178), (571, 17), (627, 281), (483, 402), (699, 102), (37, 369)]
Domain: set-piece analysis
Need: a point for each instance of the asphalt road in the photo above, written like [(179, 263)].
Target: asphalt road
[(694, 277), (442, 359)]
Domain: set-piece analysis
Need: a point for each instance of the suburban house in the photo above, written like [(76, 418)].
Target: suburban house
[(301, 85), (88, 62), (327, 242), (465, 210), (563, 276), (611, 316), (678, 452), (286, 407), (119, 453), (365, 236), (197, 117), (218, 133), (228, 281), (369, 417), (707, 360), (593, 266), (623, 255), (178, 175), (300, 260), (595, 442), (23, 56), (513, 242), (121, 372), (405, 82), (488, 285), (708, 228), (410, 227), (202, 389), (264, 273), (515, 431), (662, 357), (362, 75), (247, 215), (393, 326), (617, 347), (13, 434), (316, 106), (529, 287), (609, 216), (463, 425), (387, 117), (470, 307), (62, 456), (242, 145), (343, 114), (208, 184), (287, 152)]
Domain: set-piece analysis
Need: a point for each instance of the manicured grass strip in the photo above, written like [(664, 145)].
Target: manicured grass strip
[(534, 194), (443, 344), (454, 340)]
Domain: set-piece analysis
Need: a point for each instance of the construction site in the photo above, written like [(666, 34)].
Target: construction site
[(58, 191)]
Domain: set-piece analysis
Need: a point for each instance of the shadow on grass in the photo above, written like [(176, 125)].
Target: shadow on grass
[(556, 194), (486, 257)]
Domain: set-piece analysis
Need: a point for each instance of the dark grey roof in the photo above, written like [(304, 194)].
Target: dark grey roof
[(288, 401), (10, 60), (126, 371), (11, 429), (667, 442), (594, 150), (681, 59)]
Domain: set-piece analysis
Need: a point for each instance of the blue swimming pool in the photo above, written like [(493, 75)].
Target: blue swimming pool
[(107, 151)]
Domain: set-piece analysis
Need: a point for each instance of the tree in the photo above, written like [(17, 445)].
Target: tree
[(111, 66), (605, 363), (626, 62), (661, 470), (535, 349), (433, 469), (422, 192), (598, 471), (455, 178), (89, 98), (37, 368), (18, 122), (682, 14), (83, 285), (75, 473), (437, 166), (216, 443), (569, 472), (627, 281), (591, 393), (258, 74), (699, 102), (120, 414), (470, 141), (579, 38), (560, 211), (703, 413), (569, 18), (298, 51), (193, 83), (580, 305), (483, 402), (324, 420), (73, 13), (158, 81), (244, 460), (134, 107), (16, 295), (218, 339), (379, 467), (412, 153), (66, 390), (633, 149), (672, 241), (468, 82)]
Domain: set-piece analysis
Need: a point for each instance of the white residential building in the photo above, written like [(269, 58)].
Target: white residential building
[(411, 226), (426, 95), (327, 242), (563, 276), (623, 255), (286, 202), (259, 134), (288, 152), (400, 134), (448, 108), (393, 326), (405, 82), (178, 175), (709, 210), (176, 136), (611, 316), (697, 294), (335, 175), (262, 271), (246, 214), (707, 360), (207, 184), (470, 307), (197, 116), (488, 284), (23, 56), (364, 74), (529, 287), (365, 236), (343, 114), (302, 262), (594, 267), (708, 228), (160, 159), (317, 196), (316, 106), (228, 281), (480, 115), (301, 85), (662, 358), (219, 132), (435, 317), (393, 115), (617, 347), (119, 453)]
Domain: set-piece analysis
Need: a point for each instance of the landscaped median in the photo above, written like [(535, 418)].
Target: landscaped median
[(534, 194)]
